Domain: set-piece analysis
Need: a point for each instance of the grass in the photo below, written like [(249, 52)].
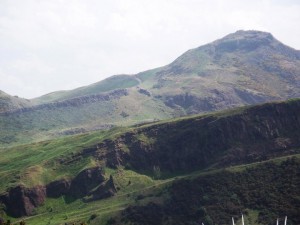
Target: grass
[(141, 190), (45, 124), (109, 84), (57, 211), (37, 163)]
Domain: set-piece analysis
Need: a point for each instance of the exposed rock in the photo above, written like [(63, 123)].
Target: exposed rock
[(85, 181), (190, 103), (74, 102), (21, 201), (58, 188), (144, 92), (72, 131), (82, 185), (251, 135), (105, 190)]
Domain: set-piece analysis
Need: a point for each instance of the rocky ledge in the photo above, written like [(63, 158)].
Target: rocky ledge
[(89, 184)]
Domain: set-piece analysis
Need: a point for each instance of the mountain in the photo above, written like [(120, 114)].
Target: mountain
[(199, 168), (242, 61), (243, 68)]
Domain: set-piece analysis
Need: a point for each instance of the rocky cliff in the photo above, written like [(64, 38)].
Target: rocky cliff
[(74, 102), (242, 136), (21, 201)]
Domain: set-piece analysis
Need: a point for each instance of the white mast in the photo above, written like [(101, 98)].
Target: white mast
[(243, 223), (285, 220), (233, 221), (277, 223)]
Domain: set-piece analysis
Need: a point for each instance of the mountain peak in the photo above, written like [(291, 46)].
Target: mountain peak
[(249, 34), (244, 41)]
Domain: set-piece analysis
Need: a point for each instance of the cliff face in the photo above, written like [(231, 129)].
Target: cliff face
[(21, 201), (74, 102), (254, 134)]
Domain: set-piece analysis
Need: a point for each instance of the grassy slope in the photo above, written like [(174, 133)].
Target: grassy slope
[(242, 68), (37, 163), (40, 158), (109, 84), (8, 102), (43, 124), (58, 211)]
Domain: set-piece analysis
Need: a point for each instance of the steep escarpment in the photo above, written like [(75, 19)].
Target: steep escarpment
[(55, 119), (243, 136), (74, 102), (90, 183), (21, 201)]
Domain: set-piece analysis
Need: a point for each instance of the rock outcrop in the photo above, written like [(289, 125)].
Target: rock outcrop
[(74, 102), (58, 188), (85, 181), (245, 136), (21, 201), (104, 190), (79, 186)]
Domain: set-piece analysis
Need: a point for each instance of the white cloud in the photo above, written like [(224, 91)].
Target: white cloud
[(61, 44)]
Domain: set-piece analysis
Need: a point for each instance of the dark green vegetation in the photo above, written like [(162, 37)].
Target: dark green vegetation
[(182, 171), (243, 68), (262, 193)]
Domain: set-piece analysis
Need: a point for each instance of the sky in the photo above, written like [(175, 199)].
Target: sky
[(51, 45)]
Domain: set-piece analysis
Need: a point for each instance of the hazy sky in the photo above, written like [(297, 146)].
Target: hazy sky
[(49, 45)]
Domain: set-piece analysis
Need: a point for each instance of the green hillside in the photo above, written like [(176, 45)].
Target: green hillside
[(98, 112), (8, 102), (200, 168), (109, 84), (243, 68)]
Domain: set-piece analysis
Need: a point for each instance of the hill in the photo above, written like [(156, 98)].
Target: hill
[(243, 68), (12, 103), (231, 161)]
